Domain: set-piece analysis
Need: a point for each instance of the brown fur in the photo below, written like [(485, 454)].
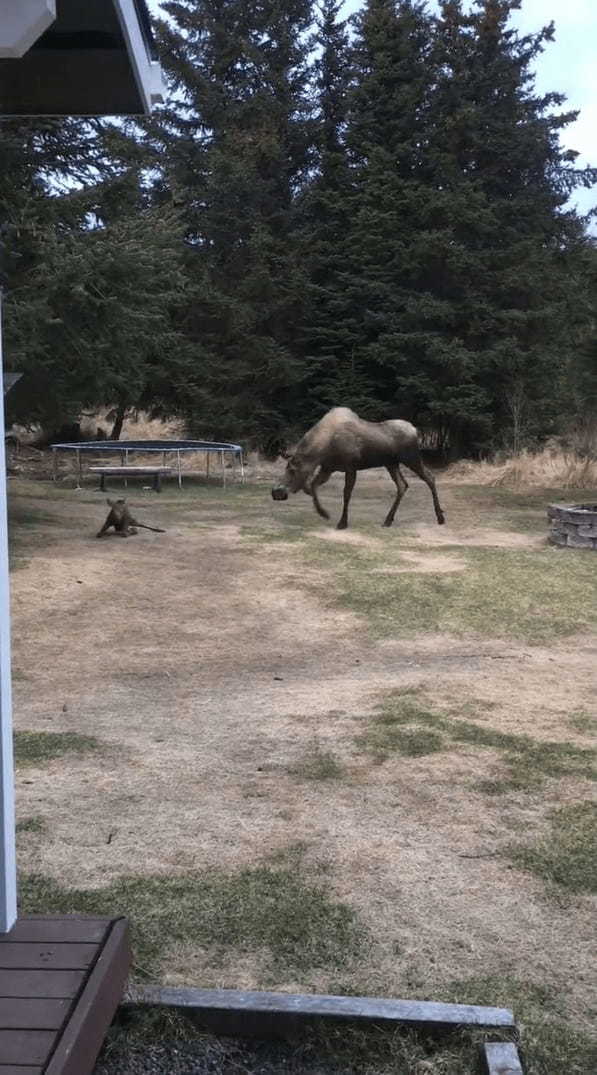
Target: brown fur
[(121, 519), (341, 441)]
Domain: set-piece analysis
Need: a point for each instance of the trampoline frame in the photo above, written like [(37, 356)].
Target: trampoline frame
[(125, 447)]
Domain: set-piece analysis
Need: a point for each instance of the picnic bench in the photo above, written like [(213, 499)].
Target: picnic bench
[(156, 473)]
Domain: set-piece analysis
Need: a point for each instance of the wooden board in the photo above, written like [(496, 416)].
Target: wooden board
[(501, 1058), (124, 470), (46, 928), (40, 1013), (61, 979), (255, 1013), (20, 1069), (26, 1046), (52, 956), (42, 983)]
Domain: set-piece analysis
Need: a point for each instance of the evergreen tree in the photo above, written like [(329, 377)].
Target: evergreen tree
[(236, 145), (385, 320), (579, 395), (92, 276), (92, 324), (323, 215), (507, 178), (451, 306)]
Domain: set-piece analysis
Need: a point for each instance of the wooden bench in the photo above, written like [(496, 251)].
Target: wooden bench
[(156, 473)]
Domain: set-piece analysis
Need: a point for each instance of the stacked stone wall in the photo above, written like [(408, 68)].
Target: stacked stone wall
[(573, 525)]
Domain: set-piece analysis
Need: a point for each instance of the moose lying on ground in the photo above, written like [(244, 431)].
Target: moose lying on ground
[(121, 519), (341, 441)]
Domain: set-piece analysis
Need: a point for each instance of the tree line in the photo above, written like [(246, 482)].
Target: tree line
[(373, 212)]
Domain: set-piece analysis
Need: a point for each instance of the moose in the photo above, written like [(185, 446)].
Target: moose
[(341, 441)]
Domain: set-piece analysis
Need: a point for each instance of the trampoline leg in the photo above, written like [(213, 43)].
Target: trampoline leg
[(79, 472), (126, 463), (207, 465), (179, 471), (103, 483), (54, 465), (242, 468), (223, 469)]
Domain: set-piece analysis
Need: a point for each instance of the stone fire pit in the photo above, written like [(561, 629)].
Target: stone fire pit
[(573, 525)]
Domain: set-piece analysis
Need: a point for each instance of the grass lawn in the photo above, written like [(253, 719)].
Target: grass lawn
[(351, 762)]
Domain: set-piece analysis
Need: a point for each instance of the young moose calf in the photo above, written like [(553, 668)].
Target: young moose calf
[(121, 519)]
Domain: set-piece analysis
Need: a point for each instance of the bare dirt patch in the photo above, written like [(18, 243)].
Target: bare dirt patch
[(348, 537), (425, 564), (483, 537), (210, 665)]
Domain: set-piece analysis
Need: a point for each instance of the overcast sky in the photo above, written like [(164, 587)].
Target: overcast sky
[(568, 66)]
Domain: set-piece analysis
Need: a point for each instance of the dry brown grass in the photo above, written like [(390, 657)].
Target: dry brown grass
[(546, 469), (137, 426), (209, 659)]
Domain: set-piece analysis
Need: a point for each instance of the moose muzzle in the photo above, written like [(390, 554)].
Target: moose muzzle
[(279, 492)]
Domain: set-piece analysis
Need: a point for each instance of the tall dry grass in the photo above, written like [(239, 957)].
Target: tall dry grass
[(137, 426), (549, 468)]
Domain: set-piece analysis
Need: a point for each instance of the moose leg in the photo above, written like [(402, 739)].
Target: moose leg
[(351, 477), (418, 468), (401, 486), (320, 479)]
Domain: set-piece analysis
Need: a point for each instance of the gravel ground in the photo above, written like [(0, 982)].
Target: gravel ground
[(211, 1056)]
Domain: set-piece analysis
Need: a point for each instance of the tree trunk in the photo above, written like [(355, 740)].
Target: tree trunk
[(118, 422)]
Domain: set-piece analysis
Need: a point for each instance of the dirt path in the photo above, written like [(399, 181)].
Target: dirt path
[(207, 668)]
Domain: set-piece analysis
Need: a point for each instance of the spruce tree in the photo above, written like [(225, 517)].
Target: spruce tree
[(386, 319), (451, 308), (506, 272), (235, 147), (323, 215), (92, 275)]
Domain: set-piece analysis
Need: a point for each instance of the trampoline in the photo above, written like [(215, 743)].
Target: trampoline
[(142, 447)]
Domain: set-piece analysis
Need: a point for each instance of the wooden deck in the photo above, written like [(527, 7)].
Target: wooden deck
[(61, 980)]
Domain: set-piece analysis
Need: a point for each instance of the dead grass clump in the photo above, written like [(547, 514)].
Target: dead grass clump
[(36, 748), (137, 426), (568, 855), (260, 909), (547, 469)]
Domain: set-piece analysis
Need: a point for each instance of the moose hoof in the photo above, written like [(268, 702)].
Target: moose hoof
[(387, 522), (441, 519), (342, 525)]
